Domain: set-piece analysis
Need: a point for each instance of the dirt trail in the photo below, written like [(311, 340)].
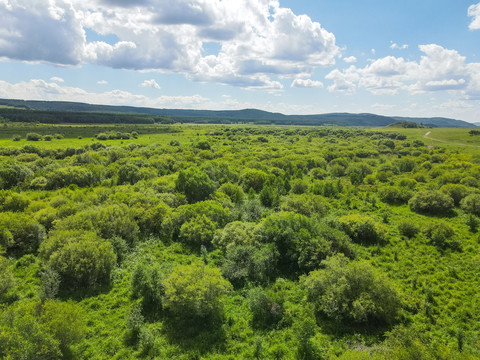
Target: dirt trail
[(447, 142)]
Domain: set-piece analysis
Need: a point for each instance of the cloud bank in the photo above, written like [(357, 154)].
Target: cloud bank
[(439, 69), (258, 39)]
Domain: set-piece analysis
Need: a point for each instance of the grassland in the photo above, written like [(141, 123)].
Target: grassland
[(263, 207)]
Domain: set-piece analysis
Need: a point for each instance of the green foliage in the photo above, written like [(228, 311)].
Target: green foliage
[(34, 137), (237, 233), (249, 264), (65, 321), (456, 191), (195, 184), (353, 291), (362, 229), (281, 209), (13, 174), (147, 284), (394, 195), (254, 179), (442, 236), (6, 277), (234, 191), (195, 291), (408, 229), (75, 175), (197, 231), (471, 204), (266, 312), (19, 233), (431, 202), (80, 258)]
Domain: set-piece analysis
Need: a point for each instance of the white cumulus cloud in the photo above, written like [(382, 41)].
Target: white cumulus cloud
[(57, 79), (439, 69), (350, 59), (151, 84), (474, 12), (398, 47), (306, 83), (258, 39)]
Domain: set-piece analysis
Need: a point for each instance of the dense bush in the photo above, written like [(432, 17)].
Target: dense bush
[(195, 184), (442, 236), (249, 264), (431, 202), (362, 228), (353, 291), (19, 233), (80, 258), (394, 195), (471, 204), (195, 291)]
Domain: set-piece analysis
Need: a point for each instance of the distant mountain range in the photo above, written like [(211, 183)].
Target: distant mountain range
[(72, 112)]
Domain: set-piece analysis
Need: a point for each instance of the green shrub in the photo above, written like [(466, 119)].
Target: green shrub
[(471, 204), (394, 195), (431, 202), (34, 137), (362, 229), (442, 236), (353, 291), (408, 229), (195, 291), (81, 258), (195, 184), (266, 312), (456, 191), (249, 264), (197, 231)]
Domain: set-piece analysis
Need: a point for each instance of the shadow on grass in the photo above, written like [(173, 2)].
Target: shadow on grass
[(81, 293), (195, 334)]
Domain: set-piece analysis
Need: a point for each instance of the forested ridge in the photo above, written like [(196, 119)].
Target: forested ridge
[(237, 242)]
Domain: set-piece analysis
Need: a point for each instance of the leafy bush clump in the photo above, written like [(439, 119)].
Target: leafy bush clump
[(34, 137), (394, 195), (195, 184), (471, 204), (408, 229), (431, 202), (362, 229), (81, 258), (442, 236), (353, 291), (195, 291)]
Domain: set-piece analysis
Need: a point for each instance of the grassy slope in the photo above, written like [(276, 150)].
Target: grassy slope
[(415, 265)]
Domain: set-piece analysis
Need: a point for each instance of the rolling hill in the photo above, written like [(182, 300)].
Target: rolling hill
[(75, 112)]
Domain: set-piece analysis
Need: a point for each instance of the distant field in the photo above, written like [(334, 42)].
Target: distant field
[(80, 135)]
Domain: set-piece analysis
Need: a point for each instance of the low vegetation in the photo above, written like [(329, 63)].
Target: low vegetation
[(237, 242)]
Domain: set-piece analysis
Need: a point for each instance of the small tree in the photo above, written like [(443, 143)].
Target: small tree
[(352, 291), (195, 184), (195, 291), (431, 202), (34, 137)]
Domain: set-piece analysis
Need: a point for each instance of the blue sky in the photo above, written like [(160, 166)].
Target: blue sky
[(407, 58)]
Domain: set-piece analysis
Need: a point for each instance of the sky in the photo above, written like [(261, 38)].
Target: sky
[(404, 58)]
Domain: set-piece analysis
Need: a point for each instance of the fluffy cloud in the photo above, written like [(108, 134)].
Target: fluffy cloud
[(399, 47), (439, 69), (350, 59), (37, 89), (258, 39), (37, 31), (306, 83), (150, 84), (474, 11), (57, 79)]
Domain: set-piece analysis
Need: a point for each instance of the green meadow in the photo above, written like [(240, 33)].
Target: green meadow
[(239, 242)]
